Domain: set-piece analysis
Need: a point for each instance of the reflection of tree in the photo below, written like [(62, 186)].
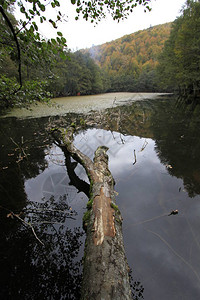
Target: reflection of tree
[(26, 134), (81, 185), (28, 269), (21, 137), (34, 271), (176, 133), (44, 270), (137, 288), (174, 129), (128, 119)]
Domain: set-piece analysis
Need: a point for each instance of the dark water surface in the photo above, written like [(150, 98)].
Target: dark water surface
[(154, 158)]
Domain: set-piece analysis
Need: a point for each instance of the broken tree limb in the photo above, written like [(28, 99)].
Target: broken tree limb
[(105, 270)]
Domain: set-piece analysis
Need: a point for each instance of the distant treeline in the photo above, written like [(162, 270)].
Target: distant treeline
[(161, 58)]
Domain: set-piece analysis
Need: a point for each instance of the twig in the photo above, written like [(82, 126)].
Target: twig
[(28, 224), (20, 148), (49, 210), (135, 158), (144, 145), (12, 214), (48, 222), (121, 139), (114, 100), (14, 142)]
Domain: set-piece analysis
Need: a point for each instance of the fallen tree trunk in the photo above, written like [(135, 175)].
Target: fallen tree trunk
[(105, 270)]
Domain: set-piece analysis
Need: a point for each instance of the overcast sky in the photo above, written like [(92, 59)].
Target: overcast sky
[(82, 34)]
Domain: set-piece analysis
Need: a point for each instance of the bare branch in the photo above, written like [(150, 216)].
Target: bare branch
[(12, 214), (134, 158)]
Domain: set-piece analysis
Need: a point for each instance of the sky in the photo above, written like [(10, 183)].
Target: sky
[(82, 34)]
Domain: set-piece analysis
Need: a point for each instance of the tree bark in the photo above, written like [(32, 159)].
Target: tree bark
[(105, 269)]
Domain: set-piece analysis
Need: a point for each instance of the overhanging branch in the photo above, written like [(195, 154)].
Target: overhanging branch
[(16, 42)]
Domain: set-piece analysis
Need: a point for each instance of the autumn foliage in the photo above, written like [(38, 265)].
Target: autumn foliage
[(129, 62)]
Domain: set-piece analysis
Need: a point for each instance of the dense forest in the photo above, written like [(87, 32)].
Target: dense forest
[(130, 62), (179, 63), (161, 58)]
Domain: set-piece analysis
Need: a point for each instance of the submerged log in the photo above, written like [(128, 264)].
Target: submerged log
[(105, 269)]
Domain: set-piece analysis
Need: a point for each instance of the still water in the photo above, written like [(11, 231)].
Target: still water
[(79, 104), (154, 158)]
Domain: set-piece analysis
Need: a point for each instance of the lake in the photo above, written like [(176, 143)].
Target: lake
[(154, 158)]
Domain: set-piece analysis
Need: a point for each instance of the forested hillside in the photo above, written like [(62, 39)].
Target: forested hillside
[(129, 62)]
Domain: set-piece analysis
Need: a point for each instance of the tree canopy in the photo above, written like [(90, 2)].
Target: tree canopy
[(179, 66), (129, 62)]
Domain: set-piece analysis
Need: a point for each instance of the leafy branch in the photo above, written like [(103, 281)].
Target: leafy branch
[(2, 11)]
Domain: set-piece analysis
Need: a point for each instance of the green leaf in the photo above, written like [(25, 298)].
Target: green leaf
[(35, 26), (5, 5), (22, 10), (73, 1), (59, 33), (55, 51), (58, 40), (63, 40), (53, 41), (31, 12), (53, 23), (31, 29), (63, 55), (42, 7), (57, 3)]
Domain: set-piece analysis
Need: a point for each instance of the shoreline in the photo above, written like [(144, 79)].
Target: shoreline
[(80, 104)]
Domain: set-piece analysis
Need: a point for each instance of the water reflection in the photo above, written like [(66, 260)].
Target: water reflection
[(162, 250), (177, 143), (37, 190), (35, 271), (154, 158)]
